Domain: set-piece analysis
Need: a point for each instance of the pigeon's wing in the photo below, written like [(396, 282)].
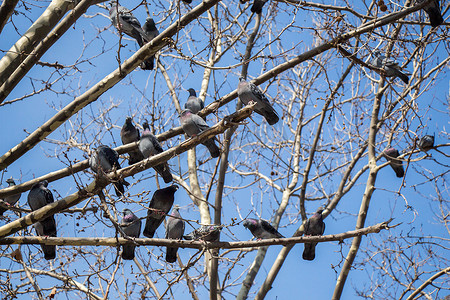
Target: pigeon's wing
[(112, 157), (199, 122), (269, 228), (48, 196), (323, 228), (258, 94), (156, 144)]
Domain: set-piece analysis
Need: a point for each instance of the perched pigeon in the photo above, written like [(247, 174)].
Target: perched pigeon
[(207, 233), (149, 146), (261, 229), (257, 6), (313, 226), (130, 134), (127, 23), (248, 92), (160, 205), (174, 230), (390, 67), (194, 125), (39, 196), (434, 12), (11, 200), (151, 32), (105, 159), (426, 143), (131, 226), (193, 103), (187, 1), (391, 155)]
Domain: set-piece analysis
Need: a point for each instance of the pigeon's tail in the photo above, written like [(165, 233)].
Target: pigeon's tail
[(148, 64), (435, 16), (151, 225), (187, 1), (49, 251), (402, 76), (270, 115), (188, 237), (310, 251), (257, 6), (128, 252), (398, 168), (49, 229), (2, 210), (119, 187), (171, 254), (135, 156), (212, 147), (164, 171)]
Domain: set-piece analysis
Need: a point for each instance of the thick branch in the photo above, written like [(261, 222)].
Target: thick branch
[(6, 11)]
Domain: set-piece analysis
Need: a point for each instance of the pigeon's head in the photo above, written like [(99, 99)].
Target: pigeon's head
[(376, 53), (128, 121), (10, 181), (150, 23), (192, 92), (392, 152), (174, 187), (250, 223), (44, 183), (320, 210), (145, 126), (126, 211), (241, 79)]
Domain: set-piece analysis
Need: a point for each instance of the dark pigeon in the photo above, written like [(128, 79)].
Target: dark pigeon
[(426, 143), (38, 197), (193, 103), (149, 146), (160, 205), (130, 134), (207, 233), (194, 125), (257, 6), (261, 229), (187, 1), (248, 92), (391, 155), (127, 23), (131, 226), (151, 32), (11, 200), (390, 67), (313, 226), (104, 160), (434, 12), (174, 230)]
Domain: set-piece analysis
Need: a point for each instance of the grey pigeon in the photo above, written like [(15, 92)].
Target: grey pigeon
[(391, 155), (151, 32), (193, 103), (207, 233), (104, 159), (257, 6), (160, 205), (261, 229), (390, 67), (124, 20), (39, 196), (149, 146), (11, 200), (434, 12), (131, 226), (193, 125), (248, 92), (174, 230), (313, 226), (426, 143), (130, 134)]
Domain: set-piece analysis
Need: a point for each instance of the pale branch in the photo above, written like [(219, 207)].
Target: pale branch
[(428, 282), (114, 242), (155, 45), (32, 281), (97, 185), (104, 85), (38, 51), (6, 11)]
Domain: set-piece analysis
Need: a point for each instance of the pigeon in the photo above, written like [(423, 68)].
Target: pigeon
[(131, 226), (248, 92), (11, 200), (426, 143), (313, 226), (391, 155), (149, 146), (194, 125), (257, 6), (261, 229), (434, 12), (193, 103), (160, 205), (207, 233), (390, 67), (130, 134), (104, 159), (39, 196), (174, 230), (124, 20), (151, 32)]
